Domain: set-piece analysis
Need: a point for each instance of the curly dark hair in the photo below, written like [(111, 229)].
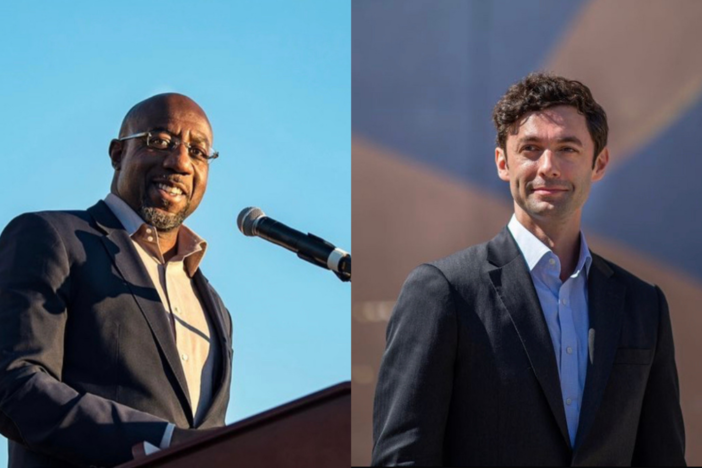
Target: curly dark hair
[(539, 91)]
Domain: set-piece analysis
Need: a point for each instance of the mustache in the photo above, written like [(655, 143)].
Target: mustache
[(175, 178)]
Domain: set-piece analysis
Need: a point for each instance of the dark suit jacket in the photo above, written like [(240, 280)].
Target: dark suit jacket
[(469, 376), (88, 363)]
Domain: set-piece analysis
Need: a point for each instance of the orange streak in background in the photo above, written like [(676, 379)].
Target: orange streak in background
[(642, 62)]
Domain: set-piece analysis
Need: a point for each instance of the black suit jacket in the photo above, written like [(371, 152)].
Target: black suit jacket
[(88, 363), (469, 376)]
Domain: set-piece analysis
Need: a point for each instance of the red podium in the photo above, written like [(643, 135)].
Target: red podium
[(312, 431)]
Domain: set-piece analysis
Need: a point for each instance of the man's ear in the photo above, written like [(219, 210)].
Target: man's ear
[(116, 150), (598, 170), (501, 163)]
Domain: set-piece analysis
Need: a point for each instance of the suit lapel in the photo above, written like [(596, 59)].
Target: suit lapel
[(605, 307), (513, 284), (213, 309), (217, 316), (127, 261)]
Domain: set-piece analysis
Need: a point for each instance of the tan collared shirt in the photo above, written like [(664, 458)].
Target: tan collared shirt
[(192, 328)]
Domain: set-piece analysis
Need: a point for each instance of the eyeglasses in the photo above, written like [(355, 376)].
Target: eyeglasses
[(164, 141)]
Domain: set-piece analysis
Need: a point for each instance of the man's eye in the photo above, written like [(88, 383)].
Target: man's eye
[(197, 153), (160, 143), (529, 148)]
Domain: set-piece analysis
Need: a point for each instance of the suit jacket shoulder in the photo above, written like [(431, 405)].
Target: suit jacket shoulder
[(624, 276), (469, 261), (60, 222)]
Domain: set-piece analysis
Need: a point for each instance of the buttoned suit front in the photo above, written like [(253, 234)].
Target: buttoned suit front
[(469, 375), (89, 365)]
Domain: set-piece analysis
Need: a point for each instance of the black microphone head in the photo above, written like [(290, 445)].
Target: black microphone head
[(246, 219)]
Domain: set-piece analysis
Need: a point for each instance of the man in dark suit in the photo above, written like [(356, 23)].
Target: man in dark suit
[(530, 349), (111, 336)]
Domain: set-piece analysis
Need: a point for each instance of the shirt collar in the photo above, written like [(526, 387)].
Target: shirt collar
[(124, 213), (191, 247), (534, 250)]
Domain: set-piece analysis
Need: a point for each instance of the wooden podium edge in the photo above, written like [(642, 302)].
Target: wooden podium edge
[(247, 424)]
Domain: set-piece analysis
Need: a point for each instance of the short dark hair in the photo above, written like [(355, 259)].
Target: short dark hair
[(539, 91)]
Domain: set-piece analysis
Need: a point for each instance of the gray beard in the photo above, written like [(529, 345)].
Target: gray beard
[(162, 221)]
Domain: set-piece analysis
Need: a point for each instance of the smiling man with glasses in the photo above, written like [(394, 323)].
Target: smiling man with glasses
[(111, 336)]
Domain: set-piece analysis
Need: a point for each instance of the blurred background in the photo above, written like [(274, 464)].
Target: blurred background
[(425, 77), (274, 78)]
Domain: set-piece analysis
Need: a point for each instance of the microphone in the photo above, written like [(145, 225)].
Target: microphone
[(253, 221)]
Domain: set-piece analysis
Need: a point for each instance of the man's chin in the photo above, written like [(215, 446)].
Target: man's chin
[(548, 210), (161, 219)]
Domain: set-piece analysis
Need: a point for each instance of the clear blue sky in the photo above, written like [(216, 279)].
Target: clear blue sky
[(274, 78)]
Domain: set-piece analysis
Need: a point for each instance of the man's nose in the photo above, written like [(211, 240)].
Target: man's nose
[(548, 164), (179, 160)]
